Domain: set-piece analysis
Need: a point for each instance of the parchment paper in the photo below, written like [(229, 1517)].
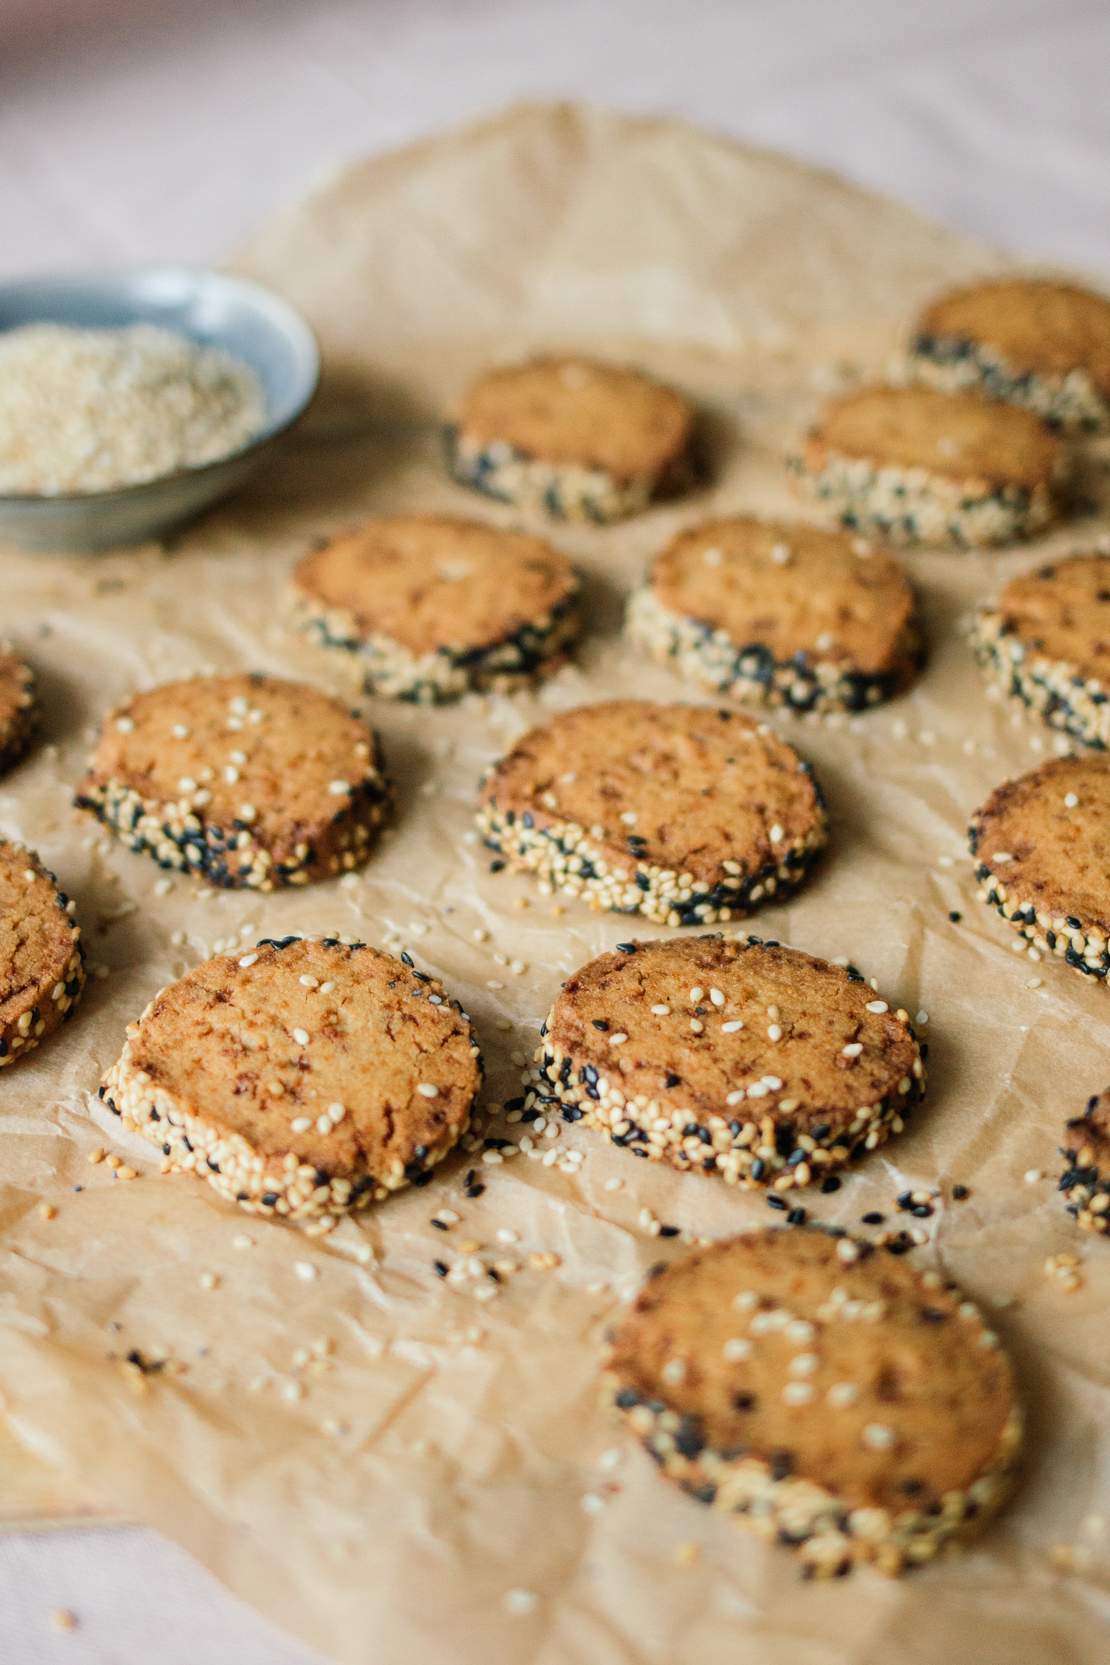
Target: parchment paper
[(454, 1450)]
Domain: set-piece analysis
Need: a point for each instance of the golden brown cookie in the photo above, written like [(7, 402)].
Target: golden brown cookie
[(730, 1056), (1027, 341), (924, 467), (579, 439), (781, 613), (18, 712), (1085, 1181), (1046, 642), (683, 813), (244, 779), (303, 1077), (42, 963), (433, 605), (1042, 849), (843, 1403)]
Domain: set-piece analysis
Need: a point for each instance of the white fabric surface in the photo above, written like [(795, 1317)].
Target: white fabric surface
[(170, 132)]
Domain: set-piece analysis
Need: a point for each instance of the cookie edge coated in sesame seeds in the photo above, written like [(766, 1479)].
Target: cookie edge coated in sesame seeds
[(1084, 1183), (52, 1002), (16, 738), (1052, 689), (830, 1538), (563, 491), (280, 1185), (744, 1152), (1068, 402)]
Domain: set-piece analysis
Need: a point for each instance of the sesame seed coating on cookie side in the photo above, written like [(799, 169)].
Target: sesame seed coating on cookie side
[(431, 606), (18, 707), (1042, 855), (781, 613), (683, 813), (245, 780), (1025, 341), (923, 467), (307, 1076), (1085, 1180), (836, 1400), (42, 962), (1046, 643), (578, 439), (734, 1057)]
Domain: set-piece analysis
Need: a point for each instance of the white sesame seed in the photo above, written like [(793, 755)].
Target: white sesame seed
[(1071, 799), (804, 1364), (618, 1039), (852, 1050), (797, 1393), (696, 1026), (877, 1006), (339, 788), (737, 1348), (247, 812), (660, 1009), (674, 1372), (301, 1036), (125, 724), (774, 1032), (716, 997), (732, 1026), (696, 994), (301, 1124), (877, 1436), (427, 1089), (306, 1271), (842, 1394), (776, 834), (248, 960)]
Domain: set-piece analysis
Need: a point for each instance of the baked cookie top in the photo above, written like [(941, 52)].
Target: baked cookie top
[(956, 435), (1046, 836), (790, 587), (16, 693), (687, 787), (267, 1043), (578, 412), (435, 581), (701, 1017), (37, 935), (858, 1375), (280, 758), (1062, 612), (1033, 324)]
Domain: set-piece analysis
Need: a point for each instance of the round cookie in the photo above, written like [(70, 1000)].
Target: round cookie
[(923, 467), (729, 1056), (42, 963), (18, 712), (304, 1077), (244, 779), (1027, 341), (733, 1057), (781, 613), (1046, 642), (434, 606), (1085, 1181), (683, 813), (578, 439), (838, 1400), (1042, 849)]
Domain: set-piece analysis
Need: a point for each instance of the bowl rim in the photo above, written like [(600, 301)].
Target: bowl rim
[(291, 319)]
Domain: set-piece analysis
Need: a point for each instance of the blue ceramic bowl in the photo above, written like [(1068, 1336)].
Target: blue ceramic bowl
[(243, 318)]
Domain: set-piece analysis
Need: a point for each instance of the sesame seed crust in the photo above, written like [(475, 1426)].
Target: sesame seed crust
[(42, 963), (246, 780), (1039, 849), (296, 1078), (1045, 643), (1023, 340), (733, 1057), (839, 1401), (685, 814), (434, 606), (925, 467), (1085, 1180), (781, 613), (18, 707), (575, 438)]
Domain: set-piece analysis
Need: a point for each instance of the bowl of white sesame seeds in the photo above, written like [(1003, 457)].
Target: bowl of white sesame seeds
[(132, 401)]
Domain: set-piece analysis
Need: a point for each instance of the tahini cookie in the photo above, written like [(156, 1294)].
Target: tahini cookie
[(1041, 845), (578, 439), (781, 613), (834, 1398), (1028, 341), (42, 963), (1046, 642), (245, 779), (924, 467), (730, 1056), (303, 1077), (432, 606), (1085, 1180), (18, 712), (684, 813)]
